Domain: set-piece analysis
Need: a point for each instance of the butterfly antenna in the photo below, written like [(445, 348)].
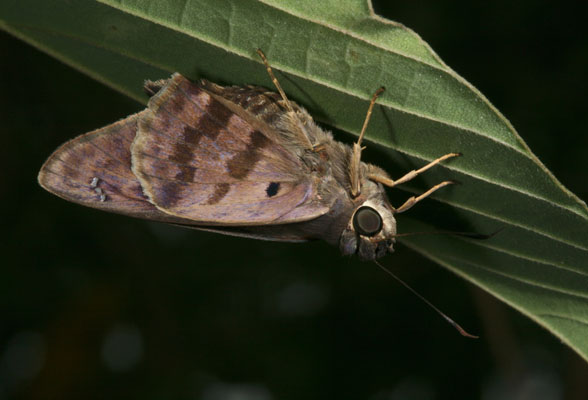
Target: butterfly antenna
[(449, 320)]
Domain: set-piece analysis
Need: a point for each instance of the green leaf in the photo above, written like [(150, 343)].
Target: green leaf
[(332, 55)]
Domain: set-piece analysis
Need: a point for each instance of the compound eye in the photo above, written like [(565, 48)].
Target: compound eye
[(367, 221)]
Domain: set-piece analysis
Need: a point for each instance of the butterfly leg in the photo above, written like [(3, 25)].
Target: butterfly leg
[(356, 155), (152, 87), (412, 174), (413, 200), (303, 134)]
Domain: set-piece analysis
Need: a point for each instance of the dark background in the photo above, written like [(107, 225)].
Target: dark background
[(94, 305)]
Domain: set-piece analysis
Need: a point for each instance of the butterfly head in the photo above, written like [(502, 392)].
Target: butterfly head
[(371, 230)]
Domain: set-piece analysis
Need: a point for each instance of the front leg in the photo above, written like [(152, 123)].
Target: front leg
[(412, 174), (413, 200)]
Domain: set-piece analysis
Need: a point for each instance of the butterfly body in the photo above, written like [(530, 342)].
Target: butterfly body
[(234, 160)]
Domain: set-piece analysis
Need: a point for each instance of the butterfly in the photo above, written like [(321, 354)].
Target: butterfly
[(240, 161)]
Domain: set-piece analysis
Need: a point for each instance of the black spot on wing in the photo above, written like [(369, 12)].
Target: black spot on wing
[(272, 189)]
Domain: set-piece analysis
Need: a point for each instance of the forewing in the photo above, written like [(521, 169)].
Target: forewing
[(201, 158), (95, 170)]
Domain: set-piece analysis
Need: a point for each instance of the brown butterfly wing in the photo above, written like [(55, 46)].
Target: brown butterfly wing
[(95, 170), (202, 158)]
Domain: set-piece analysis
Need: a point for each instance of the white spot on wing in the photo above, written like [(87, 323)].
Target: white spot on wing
[(99, 191)]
